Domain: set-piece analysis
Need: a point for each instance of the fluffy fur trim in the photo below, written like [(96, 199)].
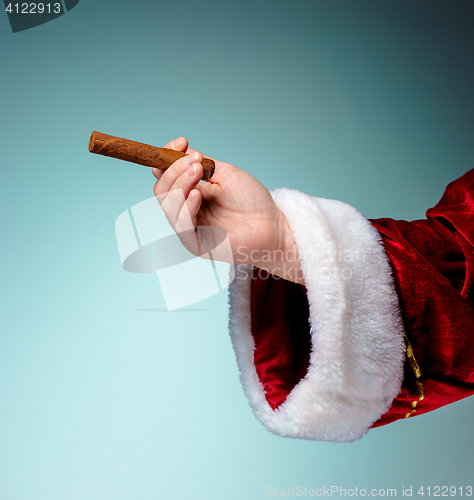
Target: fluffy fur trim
[(357, 345)]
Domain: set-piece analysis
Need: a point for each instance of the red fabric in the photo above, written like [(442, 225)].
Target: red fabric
[(433, 269), (433, 265), (280, 330)]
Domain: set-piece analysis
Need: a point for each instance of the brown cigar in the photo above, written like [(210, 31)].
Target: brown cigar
[(143, 154)]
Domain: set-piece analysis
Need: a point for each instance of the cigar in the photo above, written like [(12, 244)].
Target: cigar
[(143, 154)]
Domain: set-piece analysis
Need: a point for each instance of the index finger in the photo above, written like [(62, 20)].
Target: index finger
[(179, 144), (191, 150)]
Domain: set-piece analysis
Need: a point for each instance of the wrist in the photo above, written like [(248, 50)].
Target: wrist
[(282, 260), (289, 266)]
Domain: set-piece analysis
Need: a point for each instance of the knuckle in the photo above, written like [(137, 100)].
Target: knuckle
[(175, 170), (182, 181)]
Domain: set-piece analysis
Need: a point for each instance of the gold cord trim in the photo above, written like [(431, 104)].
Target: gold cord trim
[(416, 370)]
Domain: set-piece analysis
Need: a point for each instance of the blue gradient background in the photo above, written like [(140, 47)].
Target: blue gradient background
[(102, 394)]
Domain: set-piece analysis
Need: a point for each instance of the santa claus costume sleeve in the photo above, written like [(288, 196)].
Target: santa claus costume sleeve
[(382, 330)]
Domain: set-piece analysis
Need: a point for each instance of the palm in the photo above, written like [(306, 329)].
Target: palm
[(238, 203)]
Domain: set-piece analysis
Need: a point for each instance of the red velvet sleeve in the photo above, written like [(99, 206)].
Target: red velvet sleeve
[(433, 267)]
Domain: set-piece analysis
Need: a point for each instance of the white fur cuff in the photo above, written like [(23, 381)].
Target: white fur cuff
[(357, 346)]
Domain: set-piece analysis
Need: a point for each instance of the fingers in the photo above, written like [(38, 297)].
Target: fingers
[(191, 150), (174, 188), (187, 217), (178, 195), (218, 170), (179, 144), (182, 214), (173, 177)]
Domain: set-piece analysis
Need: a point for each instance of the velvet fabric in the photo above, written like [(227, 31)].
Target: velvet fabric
[(281, 332), (433, 268)]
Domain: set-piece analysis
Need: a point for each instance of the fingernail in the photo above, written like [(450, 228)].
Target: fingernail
[(191, 197), (191, 172), (190, 159)]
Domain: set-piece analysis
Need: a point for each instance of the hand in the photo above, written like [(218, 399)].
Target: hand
[(233, 200)]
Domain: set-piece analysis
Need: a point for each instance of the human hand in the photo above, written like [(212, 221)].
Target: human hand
[(232, 200)]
